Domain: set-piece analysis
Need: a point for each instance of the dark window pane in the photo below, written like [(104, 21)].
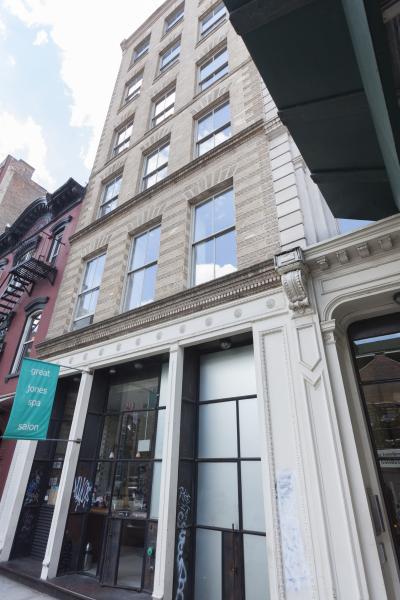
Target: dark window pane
[(137, 432)]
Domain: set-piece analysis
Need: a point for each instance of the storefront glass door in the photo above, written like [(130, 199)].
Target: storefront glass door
[(111, 530), (377, 358)]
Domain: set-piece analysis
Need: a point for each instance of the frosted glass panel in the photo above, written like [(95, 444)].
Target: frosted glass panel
[(163, 385), (217, 498), (255, 567), (217, 430), (155, 491), (249, 428), (227, 374), (208, 579), (252, 497), (160, 434)]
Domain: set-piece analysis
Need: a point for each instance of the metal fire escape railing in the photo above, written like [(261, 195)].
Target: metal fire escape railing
[(33, 266)]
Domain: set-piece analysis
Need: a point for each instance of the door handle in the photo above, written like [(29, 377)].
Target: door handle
[(376, 512)]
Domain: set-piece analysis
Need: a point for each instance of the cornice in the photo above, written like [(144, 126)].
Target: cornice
[(174, 177), (243, 283), (378, 239)]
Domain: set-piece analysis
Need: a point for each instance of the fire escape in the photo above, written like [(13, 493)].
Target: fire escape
[(34, 265)]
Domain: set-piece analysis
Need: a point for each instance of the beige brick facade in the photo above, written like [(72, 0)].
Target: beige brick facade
[(241, 162)]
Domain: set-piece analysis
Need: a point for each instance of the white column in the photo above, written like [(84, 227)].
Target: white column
[(13, 495), (164, 564), (361, 523), (54, 543)]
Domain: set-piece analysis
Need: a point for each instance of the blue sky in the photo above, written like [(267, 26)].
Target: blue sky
[(58, 63)]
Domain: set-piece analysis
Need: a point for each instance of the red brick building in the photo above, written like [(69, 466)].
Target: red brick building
[(33, 253), (17, 189)]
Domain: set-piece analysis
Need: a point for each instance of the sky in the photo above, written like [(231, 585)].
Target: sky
[(58, 63)]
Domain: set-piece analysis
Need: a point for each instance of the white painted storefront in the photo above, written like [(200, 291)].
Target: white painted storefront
[(317, 463)]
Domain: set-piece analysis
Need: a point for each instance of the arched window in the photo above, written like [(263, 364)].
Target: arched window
[(27, 339)]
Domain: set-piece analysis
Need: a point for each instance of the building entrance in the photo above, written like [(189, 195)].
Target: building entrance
[(220, 539), (376, 351), (111, 530)]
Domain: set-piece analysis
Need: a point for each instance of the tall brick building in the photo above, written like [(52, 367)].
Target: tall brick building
[(17, 189), (204, 454)]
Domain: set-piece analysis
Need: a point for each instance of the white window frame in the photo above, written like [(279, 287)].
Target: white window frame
[(157, 101), (169, 52), (88, 291), (119, 147), (147, 175), (141, 49), (213, 77), (174, 18), (146, 265), (215, 131), (212, 236), (25, 343), (211, 13), (138, 77), (55, 246), (113, 200)]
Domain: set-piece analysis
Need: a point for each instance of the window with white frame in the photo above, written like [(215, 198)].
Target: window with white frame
[(133, 87), (214, 238), (27, 340), (174, 18), (142, 271), (212, 19), (88, 295), (122, 138), (213, 129), (55, 246), (141, 49), (156, 166), (170, 55), (213, 69), (110, 196), (163, 107)]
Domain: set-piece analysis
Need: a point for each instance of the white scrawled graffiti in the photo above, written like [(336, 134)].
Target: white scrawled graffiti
[(184, 500), (81, 493)]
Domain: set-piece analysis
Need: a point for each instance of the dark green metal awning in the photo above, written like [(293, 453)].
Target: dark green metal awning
[(328, 67)]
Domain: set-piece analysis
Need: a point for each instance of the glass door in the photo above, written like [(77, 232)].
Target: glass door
[(112, 526), (377, 357)]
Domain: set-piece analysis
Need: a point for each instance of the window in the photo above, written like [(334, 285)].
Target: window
[(170, 55), (156, 166), (174, 18), (214, 240), (141, 49), (122, 138), (212, 19), (141, 281), (133, 87), (213, 129), (87, 298), (163, 107), (213, 69), (27, 340), (55, 246), (110, 196)]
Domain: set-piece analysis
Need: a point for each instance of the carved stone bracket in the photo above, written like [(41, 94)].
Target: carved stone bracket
[(291, 267)]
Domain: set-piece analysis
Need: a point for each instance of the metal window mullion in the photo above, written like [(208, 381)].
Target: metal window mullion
[(215, 235)]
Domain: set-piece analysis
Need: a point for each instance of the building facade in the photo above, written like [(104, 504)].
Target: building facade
[(206, 390), (33, 253), (17, 189)]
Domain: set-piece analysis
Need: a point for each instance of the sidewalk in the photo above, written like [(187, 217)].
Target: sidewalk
[(17, 591)]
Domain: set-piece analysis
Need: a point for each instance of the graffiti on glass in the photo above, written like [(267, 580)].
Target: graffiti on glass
[(81, 493), (182, 518)]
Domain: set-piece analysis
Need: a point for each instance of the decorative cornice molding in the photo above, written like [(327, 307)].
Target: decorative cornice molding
[(174, 177), (293, 271), (243, 283), (378, 239)]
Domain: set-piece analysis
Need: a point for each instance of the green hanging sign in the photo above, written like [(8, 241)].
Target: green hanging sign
[(33, 401)]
